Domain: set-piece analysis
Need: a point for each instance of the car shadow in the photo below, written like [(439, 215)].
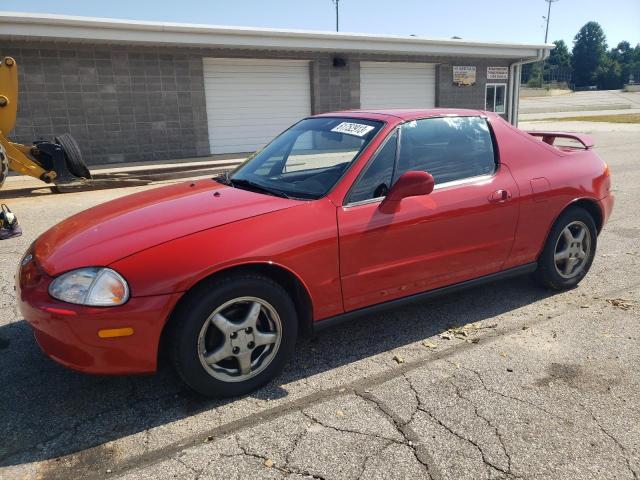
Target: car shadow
[(47, 411)]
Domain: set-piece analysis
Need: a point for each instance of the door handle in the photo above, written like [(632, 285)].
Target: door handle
[(500, 196)]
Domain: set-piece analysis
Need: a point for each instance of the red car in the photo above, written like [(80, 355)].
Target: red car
[(341, 214)]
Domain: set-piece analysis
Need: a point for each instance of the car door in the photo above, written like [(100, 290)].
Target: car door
[(464, 229)]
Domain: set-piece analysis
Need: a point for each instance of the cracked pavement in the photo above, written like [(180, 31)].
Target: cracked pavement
[(524, 383)]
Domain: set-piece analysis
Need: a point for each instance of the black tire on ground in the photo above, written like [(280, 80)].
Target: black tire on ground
[(4, 166), (195, 309), (548, 274), (73, 157)]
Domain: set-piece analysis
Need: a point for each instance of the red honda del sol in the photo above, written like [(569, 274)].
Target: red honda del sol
[(341, 214)]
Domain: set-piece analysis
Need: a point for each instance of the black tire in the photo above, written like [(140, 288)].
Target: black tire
[(547, 273), (194, 310), (4, 166), (72, 155)]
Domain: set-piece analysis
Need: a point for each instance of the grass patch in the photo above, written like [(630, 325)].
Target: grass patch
[(621, 118)]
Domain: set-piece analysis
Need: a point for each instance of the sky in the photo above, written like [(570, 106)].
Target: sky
[(518, 21)]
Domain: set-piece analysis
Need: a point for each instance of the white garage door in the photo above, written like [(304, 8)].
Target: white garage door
[(397, 85), (249, 101)]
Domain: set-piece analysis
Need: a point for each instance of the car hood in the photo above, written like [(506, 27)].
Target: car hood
[(119, 228)]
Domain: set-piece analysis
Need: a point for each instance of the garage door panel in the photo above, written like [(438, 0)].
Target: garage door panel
[(249, 101), (397, 85)]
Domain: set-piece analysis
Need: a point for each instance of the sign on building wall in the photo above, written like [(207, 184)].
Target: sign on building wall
[(464, 76), (497, 73)]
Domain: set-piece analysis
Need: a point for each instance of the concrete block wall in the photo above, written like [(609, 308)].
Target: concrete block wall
[(127, 103), (120, 104)]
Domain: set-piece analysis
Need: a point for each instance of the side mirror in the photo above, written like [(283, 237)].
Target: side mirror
[(410, 184)]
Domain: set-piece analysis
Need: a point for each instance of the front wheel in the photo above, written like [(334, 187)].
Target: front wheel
[(233, 336), (569, 251)]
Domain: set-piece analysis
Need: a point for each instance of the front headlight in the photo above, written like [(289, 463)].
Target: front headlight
[(95, 286)]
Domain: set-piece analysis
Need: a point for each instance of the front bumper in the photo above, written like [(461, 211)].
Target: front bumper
[(69, 333)]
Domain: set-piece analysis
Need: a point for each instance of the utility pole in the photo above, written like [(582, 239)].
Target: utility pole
[(548, 17), (337, 4), (546, 36)]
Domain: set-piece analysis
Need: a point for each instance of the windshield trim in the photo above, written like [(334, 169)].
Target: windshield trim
[(356, 158)]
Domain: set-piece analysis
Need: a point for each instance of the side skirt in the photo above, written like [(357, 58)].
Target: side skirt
[(512, 272)]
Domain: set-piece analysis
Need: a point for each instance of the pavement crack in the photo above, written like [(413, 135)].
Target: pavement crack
[(622, 448), (485, 460), (489, 424), (510, 397), (348, 430), (186, 465), (412, 439), (368, 457), (285, 470)]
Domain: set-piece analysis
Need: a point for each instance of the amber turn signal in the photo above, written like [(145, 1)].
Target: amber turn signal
[(115, 332)]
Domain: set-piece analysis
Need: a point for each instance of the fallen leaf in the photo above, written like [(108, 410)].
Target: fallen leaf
[(398, 359), (339, 413), (504, 354), (620, 303), (268, 463)]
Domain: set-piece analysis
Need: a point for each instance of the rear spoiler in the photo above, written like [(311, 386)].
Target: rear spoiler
[(550, 137)]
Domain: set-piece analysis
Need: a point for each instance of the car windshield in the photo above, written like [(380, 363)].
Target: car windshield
[(306, 160)]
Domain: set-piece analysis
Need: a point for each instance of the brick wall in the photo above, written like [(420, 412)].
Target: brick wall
[(139, 103)]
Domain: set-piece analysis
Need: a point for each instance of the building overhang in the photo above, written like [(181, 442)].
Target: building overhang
[(47, 27)]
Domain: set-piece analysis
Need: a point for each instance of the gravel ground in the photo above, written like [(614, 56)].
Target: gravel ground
[(502, 381)]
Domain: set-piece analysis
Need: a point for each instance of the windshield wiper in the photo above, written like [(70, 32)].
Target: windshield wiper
[(242, 182), (224, 178)]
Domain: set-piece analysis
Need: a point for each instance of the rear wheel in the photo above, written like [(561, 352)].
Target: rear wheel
[(569, 251), (4, 166), (233, 336), (72, 155)]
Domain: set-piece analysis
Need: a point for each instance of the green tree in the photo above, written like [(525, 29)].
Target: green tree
[(609, 74), (589, 53), (557, 67), (629, 60), (560, 55)]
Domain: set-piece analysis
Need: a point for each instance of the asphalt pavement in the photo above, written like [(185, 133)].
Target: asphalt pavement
[(507, 380)]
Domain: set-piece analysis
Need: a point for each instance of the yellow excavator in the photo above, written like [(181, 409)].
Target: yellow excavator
[(58, 162)]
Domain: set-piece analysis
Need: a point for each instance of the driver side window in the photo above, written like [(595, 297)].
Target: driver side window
[(376, 179)]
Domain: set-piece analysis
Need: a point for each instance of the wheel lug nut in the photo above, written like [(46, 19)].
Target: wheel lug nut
[(236, 350), (250, 345), (248, 329), (234, 335)]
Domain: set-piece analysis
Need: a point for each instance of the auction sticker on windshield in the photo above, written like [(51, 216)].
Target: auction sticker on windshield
[(357, 129)]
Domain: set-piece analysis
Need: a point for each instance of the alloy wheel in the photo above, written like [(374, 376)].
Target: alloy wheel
[(239, 339), (573, 249)]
